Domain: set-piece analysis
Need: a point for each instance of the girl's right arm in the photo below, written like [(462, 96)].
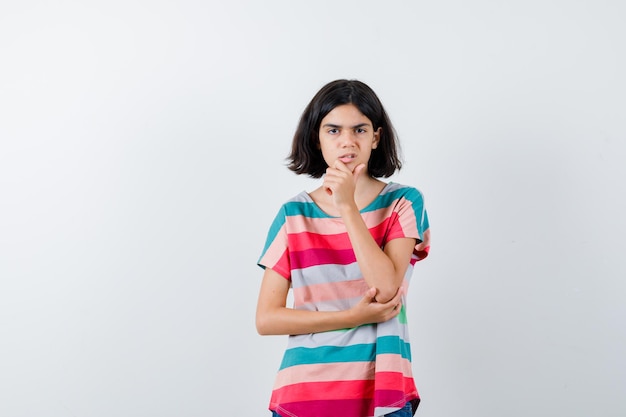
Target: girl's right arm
[(273, 317)]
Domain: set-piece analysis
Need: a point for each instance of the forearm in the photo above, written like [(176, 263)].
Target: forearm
[(289, 321), (377, 268), (276, 319)]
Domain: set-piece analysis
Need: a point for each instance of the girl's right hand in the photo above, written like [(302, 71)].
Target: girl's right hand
[(368, 310)]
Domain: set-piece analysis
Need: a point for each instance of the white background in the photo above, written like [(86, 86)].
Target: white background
[(142, 148)]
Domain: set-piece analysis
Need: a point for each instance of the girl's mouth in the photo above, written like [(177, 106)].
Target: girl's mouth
[(347, 158)]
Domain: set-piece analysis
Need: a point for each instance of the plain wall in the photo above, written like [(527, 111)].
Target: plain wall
[(142, 148)]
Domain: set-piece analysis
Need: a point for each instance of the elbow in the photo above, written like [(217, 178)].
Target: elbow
[(384, 295), (262, 326), (384, 298), (263, 332)]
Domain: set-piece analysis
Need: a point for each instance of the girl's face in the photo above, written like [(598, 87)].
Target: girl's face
[(347, 135)]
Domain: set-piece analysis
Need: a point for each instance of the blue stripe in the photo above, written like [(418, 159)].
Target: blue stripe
[(327, 354), (354, 353), (277, 224), (410, 194), (393, 345), (307, 209), (311, 210)]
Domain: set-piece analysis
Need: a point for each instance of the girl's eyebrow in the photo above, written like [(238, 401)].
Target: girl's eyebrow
[(332, 125)]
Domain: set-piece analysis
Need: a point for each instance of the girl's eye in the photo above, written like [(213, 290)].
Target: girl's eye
[(360, 130), (333, 131)]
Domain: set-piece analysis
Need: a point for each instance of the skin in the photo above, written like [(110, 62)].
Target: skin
[(347, 138)]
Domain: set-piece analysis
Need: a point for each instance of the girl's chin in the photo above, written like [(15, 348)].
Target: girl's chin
[(350, 163)]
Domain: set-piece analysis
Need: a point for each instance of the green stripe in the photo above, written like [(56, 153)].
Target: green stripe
[(402, 316)]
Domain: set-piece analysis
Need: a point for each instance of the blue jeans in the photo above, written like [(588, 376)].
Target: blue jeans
[(406, 411)]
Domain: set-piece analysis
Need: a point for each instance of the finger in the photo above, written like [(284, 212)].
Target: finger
[(334, 175), (357, 171), (329, 180), (329, 186), (341, 166), (397, 299), (371, 292), (400, 292), (333, 170)]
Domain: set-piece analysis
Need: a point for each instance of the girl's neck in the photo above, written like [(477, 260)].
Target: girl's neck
[(367, 189)]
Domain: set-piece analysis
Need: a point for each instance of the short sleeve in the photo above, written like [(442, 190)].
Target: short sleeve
[(410, 219), (275, 254)]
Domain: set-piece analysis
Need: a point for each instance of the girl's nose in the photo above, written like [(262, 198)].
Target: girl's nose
[(348, 138)]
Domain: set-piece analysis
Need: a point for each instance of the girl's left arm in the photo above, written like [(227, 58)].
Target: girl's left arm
[(382, 269)]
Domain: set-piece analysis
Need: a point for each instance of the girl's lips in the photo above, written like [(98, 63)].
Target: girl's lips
[(346, 159)]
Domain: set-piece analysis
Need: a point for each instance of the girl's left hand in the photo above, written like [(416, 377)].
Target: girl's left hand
[(368, 310), (340, 182)]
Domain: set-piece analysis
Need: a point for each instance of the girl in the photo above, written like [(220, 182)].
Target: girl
[(347, 250)]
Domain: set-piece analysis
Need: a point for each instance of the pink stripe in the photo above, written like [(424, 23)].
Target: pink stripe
[(299, 224), (340, 390), (331, 225), (379, 233), (310, 249), (372, 217), (329, 291), (394, 398), (422, 249), (395, 363), (402, 225), (393, 381), (282, 266), (276, 249), (313, 257), (407, 216), (345, 408), (323, 372), (273, 254), (304, 241)]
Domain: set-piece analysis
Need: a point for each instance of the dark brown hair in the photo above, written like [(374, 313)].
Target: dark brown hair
[(306, 156)]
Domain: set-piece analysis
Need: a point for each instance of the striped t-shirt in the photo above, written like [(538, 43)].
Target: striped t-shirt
[(358, 372)]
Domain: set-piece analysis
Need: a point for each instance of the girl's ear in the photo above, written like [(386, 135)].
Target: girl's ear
[(376, 137)]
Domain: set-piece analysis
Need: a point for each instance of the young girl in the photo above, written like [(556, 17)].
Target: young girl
[(347, 250)]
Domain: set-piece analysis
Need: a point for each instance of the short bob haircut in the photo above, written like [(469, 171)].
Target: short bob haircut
[(306, 156)]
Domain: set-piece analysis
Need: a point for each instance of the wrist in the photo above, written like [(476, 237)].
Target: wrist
[(351, 318), (347, 209)]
